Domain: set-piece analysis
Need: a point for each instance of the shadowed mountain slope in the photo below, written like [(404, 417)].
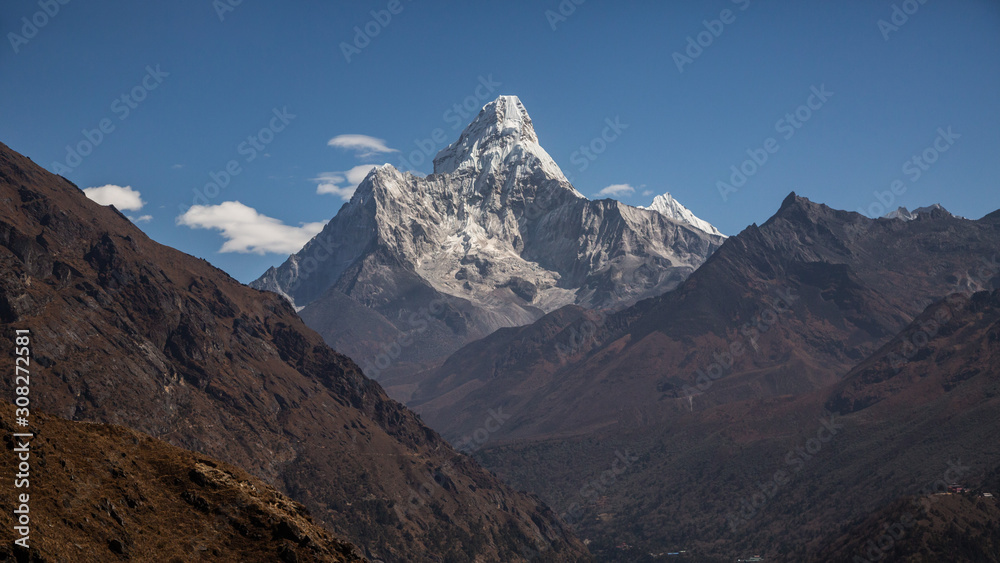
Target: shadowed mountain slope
[(130, 332), (783, 308), (790, 477)]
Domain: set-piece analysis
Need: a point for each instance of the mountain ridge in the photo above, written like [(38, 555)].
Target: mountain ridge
[(791, 476), (495, 237), (850, 279)]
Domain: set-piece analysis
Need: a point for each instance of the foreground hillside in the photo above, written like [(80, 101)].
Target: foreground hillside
[(130, 332), (107, 493)]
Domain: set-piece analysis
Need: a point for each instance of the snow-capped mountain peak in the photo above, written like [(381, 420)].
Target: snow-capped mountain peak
[(496, 237), (500, 137), (670, 207)]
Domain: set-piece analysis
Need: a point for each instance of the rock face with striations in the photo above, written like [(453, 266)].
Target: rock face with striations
[(495, 237), (130, 332)]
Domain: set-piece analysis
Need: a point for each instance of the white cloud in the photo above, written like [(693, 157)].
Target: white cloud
[(248, 231), (363, 145), (140, 219), (330, 182), (123, 198), (647, 192), (176, 166), (617, 190)]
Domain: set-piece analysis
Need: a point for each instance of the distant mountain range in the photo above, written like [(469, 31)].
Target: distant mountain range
[(879, 336), (413, 268), (781, 309)]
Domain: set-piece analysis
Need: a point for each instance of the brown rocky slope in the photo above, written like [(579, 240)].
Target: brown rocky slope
[(107, 493), (131, 332)]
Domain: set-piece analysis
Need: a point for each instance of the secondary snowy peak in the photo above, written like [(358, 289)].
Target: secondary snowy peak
[(905, 214), (666, 205), (501, 135)]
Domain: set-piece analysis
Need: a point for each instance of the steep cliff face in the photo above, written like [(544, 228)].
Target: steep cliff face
[(495, 237), (130, 332)]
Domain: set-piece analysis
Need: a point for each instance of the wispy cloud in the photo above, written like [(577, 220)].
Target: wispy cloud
[(140, 219), (176, 166), (362, 145), (330, 182), (124, 198), (617, 190), (248, 231)]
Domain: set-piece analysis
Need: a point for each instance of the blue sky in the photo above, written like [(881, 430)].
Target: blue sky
[(207, 82)]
